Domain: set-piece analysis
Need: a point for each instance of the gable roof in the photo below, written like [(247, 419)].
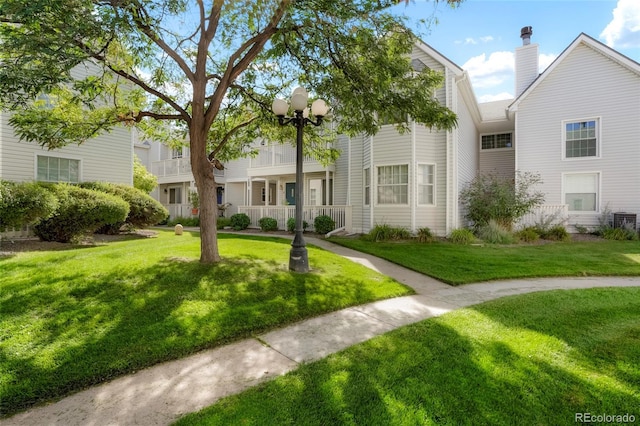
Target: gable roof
[(589, 41)]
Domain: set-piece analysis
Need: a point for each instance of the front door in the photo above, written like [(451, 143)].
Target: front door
[(291, 193)]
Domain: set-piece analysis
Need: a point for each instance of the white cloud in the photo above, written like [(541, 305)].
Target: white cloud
[(490, 72), (471, 40), (545, 60), (624, 29)]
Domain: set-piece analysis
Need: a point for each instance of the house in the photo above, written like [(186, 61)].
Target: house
[(107, 157), (576, 124)]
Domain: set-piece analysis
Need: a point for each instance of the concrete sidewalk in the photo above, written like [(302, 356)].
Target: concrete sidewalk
[(161, 394)]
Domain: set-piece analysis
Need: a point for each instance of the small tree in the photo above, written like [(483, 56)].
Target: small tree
[(504, 200)]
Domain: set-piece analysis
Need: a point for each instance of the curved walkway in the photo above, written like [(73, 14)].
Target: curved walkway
[(161, 394)]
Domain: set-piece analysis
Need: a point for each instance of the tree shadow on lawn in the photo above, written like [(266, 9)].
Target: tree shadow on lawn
[(431, 372), (94, 329)]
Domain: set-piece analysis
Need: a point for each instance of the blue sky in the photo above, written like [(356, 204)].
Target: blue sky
[(481, 35)]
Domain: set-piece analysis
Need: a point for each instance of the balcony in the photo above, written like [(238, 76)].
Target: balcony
[(281, 159), (176, 167)]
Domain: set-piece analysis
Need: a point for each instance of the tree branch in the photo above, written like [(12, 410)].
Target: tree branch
[(228, 136), (237, 63), (139, 15)]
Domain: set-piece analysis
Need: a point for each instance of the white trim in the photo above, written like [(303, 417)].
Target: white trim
[(375, 178), (597, 211), (563, 147), (434, 185), (63, 157), (364, 185), (413, 177), (509, 148)]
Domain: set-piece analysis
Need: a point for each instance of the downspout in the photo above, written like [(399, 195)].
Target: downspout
[(414, 176), (348, 171), (373, 187)]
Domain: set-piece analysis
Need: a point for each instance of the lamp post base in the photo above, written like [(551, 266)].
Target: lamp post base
[(298, 256)]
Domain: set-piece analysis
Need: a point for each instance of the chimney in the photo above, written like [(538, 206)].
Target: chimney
[(526, 61)]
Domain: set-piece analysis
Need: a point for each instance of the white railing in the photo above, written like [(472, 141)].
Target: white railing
[(340, 214), (179, 210), (17, 234), (176, 167), (277, 155), (558, 214)]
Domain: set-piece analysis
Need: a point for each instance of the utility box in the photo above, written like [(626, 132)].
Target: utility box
[(621, 220)]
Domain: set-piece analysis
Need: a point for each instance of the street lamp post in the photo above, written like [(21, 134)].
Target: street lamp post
[(298, 257)]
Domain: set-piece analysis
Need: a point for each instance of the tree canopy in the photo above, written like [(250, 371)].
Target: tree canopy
[(206, 72)]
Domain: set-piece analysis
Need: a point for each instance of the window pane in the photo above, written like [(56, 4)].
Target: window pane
[(581, 139)]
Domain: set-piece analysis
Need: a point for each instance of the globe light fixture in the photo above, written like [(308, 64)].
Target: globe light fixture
[(298, 255)]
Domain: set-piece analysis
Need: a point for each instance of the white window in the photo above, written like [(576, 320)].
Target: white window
[(580, 138), (54, 169), (176, 153), (175, 195), (496, 141), (426, 184), (393, 184), (581, 191), (367, 186)]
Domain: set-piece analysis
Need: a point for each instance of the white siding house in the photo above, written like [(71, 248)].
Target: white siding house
[(578, 125), (414, 179), (107, 157)]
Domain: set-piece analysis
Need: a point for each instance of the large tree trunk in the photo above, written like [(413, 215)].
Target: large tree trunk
[(202, 171)]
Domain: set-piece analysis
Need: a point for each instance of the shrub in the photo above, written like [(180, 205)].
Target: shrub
[(268, 224), (323, 224), (24, 204), (556, 233), (240, 221), (291, 224), (184, 221), (222, 222), (143, 179), (144, 210), (80, 211), (462, 236), (528, 234), (502, 199), (386, 232), (620, 234), (425, 235), (494, 233)]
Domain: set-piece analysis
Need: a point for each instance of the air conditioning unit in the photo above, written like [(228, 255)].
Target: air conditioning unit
[(624, 219)]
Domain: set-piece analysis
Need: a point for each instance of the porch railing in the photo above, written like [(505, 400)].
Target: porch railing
[(556, 213), (176, 167), (277, 155), (17, 233), (340, 214)]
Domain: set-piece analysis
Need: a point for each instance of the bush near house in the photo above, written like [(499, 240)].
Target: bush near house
[(268, 224), (240, 221), (291, 224), (80, 212), (425, 235), (502, 199), (462, 236), (24, 204), (323, 224), (384, 232), (143, 209), (494, 233)]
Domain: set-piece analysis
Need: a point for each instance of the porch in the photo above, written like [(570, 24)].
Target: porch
[(340, 214)]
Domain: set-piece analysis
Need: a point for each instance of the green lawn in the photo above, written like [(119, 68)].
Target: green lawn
[(534, 359), (77, 317), (460, 264)]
